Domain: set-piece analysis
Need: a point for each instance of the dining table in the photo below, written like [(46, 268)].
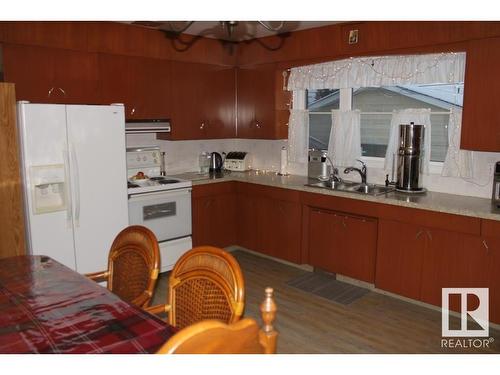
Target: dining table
[(45, 307)]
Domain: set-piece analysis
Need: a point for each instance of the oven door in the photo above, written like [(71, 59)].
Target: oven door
[(166, 213)]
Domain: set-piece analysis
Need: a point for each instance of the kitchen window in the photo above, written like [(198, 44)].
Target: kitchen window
[(376, 105)]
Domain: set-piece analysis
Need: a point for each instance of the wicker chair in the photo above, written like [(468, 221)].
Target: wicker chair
[(206, 283), (133, 265), (214, 337)]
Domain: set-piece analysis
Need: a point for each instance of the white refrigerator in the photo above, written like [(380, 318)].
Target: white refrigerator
[(75, 183)]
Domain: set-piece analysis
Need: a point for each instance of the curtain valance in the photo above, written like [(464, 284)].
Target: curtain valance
[(379, 71)]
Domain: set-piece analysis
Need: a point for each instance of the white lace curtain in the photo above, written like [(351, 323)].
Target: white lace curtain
[(458, 163), (344, 146), (380, 71), (298, 135), (420, 116)]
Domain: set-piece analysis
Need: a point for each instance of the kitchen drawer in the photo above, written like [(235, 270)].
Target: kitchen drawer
[(281, 194), (215, 188), (347, 205), (431, 219)]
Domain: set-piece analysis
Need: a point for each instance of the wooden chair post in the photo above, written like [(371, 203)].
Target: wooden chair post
[(267, 334)]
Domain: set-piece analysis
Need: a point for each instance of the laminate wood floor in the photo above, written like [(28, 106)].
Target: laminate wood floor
[(306, 323)]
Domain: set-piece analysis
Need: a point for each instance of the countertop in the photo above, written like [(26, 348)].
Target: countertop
[(432, 201)]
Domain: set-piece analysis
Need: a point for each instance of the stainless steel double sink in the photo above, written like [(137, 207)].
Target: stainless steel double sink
[(353, 187)]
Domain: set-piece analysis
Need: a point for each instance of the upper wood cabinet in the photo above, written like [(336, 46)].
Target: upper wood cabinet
[(481, 118), (218, 103), (49, 75), (263, 105), (142, 84), (202, 102), (255, 97)]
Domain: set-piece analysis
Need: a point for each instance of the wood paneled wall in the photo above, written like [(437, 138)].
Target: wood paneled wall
[(116, 38), (375, 37), (11, 205)]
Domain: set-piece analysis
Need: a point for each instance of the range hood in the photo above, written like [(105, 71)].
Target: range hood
[(147, 126)]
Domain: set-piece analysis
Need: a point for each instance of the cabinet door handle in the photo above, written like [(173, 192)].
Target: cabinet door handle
[(62, 90), (202, 126), (485, 244), (284, 74), (429, 234), (418, 234), (49, 93), (257, 125), (343, 222), (132, 111)]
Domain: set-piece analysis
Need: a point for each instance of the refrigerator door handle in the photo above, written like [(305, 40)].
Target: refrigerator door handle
[(67, 190), (76, 181)]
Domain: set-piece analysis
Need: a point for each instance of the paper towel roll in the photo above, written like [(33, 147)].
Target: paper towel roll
[(284, 161)]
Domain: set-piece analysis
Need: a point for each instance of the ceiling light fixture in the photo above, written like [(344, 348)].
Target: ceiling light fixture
[(232, 33)]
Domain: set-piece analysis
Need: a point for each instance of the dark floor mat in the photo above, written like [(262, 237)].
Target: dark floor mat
[(326, 286)]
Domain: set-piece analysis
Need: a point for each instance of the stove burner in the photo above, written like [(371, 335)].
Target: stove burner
[(165, 181), (131, 185), (158, 178)]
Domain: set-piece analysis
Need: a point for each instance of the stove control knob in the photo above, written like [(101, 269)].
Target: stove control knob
[(144, 158), (138, 158)]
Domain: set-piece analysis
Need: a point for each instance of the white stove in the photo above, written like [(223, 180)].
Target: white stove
[(160, 203), (149, 161), (156, 183)]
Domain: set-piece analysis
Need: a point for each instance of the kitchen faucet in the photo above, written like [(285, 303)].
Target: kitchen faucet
[(362, 171), (334, 176)]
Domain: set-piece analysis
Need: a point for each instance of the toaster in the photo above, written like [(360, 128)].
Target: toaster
[(237, 161)]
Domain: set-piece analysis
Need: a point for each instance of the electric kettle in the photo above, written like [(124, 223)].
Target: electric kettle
[(215, 162)]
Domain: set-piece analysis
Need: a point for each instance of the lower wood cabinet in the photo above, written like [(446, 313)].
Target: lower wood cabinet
[(279, 228), (246, 219), (452, 260), (417, 262), (414, 258), (341, 243), (269, 221), (493, 249), (214, 210), (399, 258), (490, 232)]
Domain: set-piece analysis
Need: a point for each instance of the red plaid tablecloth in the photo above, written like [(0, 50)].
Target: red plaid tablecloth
[(47, 308)]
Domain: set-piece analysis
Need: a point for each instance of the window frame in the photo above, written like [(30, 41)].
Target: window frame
[(345, 104)]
